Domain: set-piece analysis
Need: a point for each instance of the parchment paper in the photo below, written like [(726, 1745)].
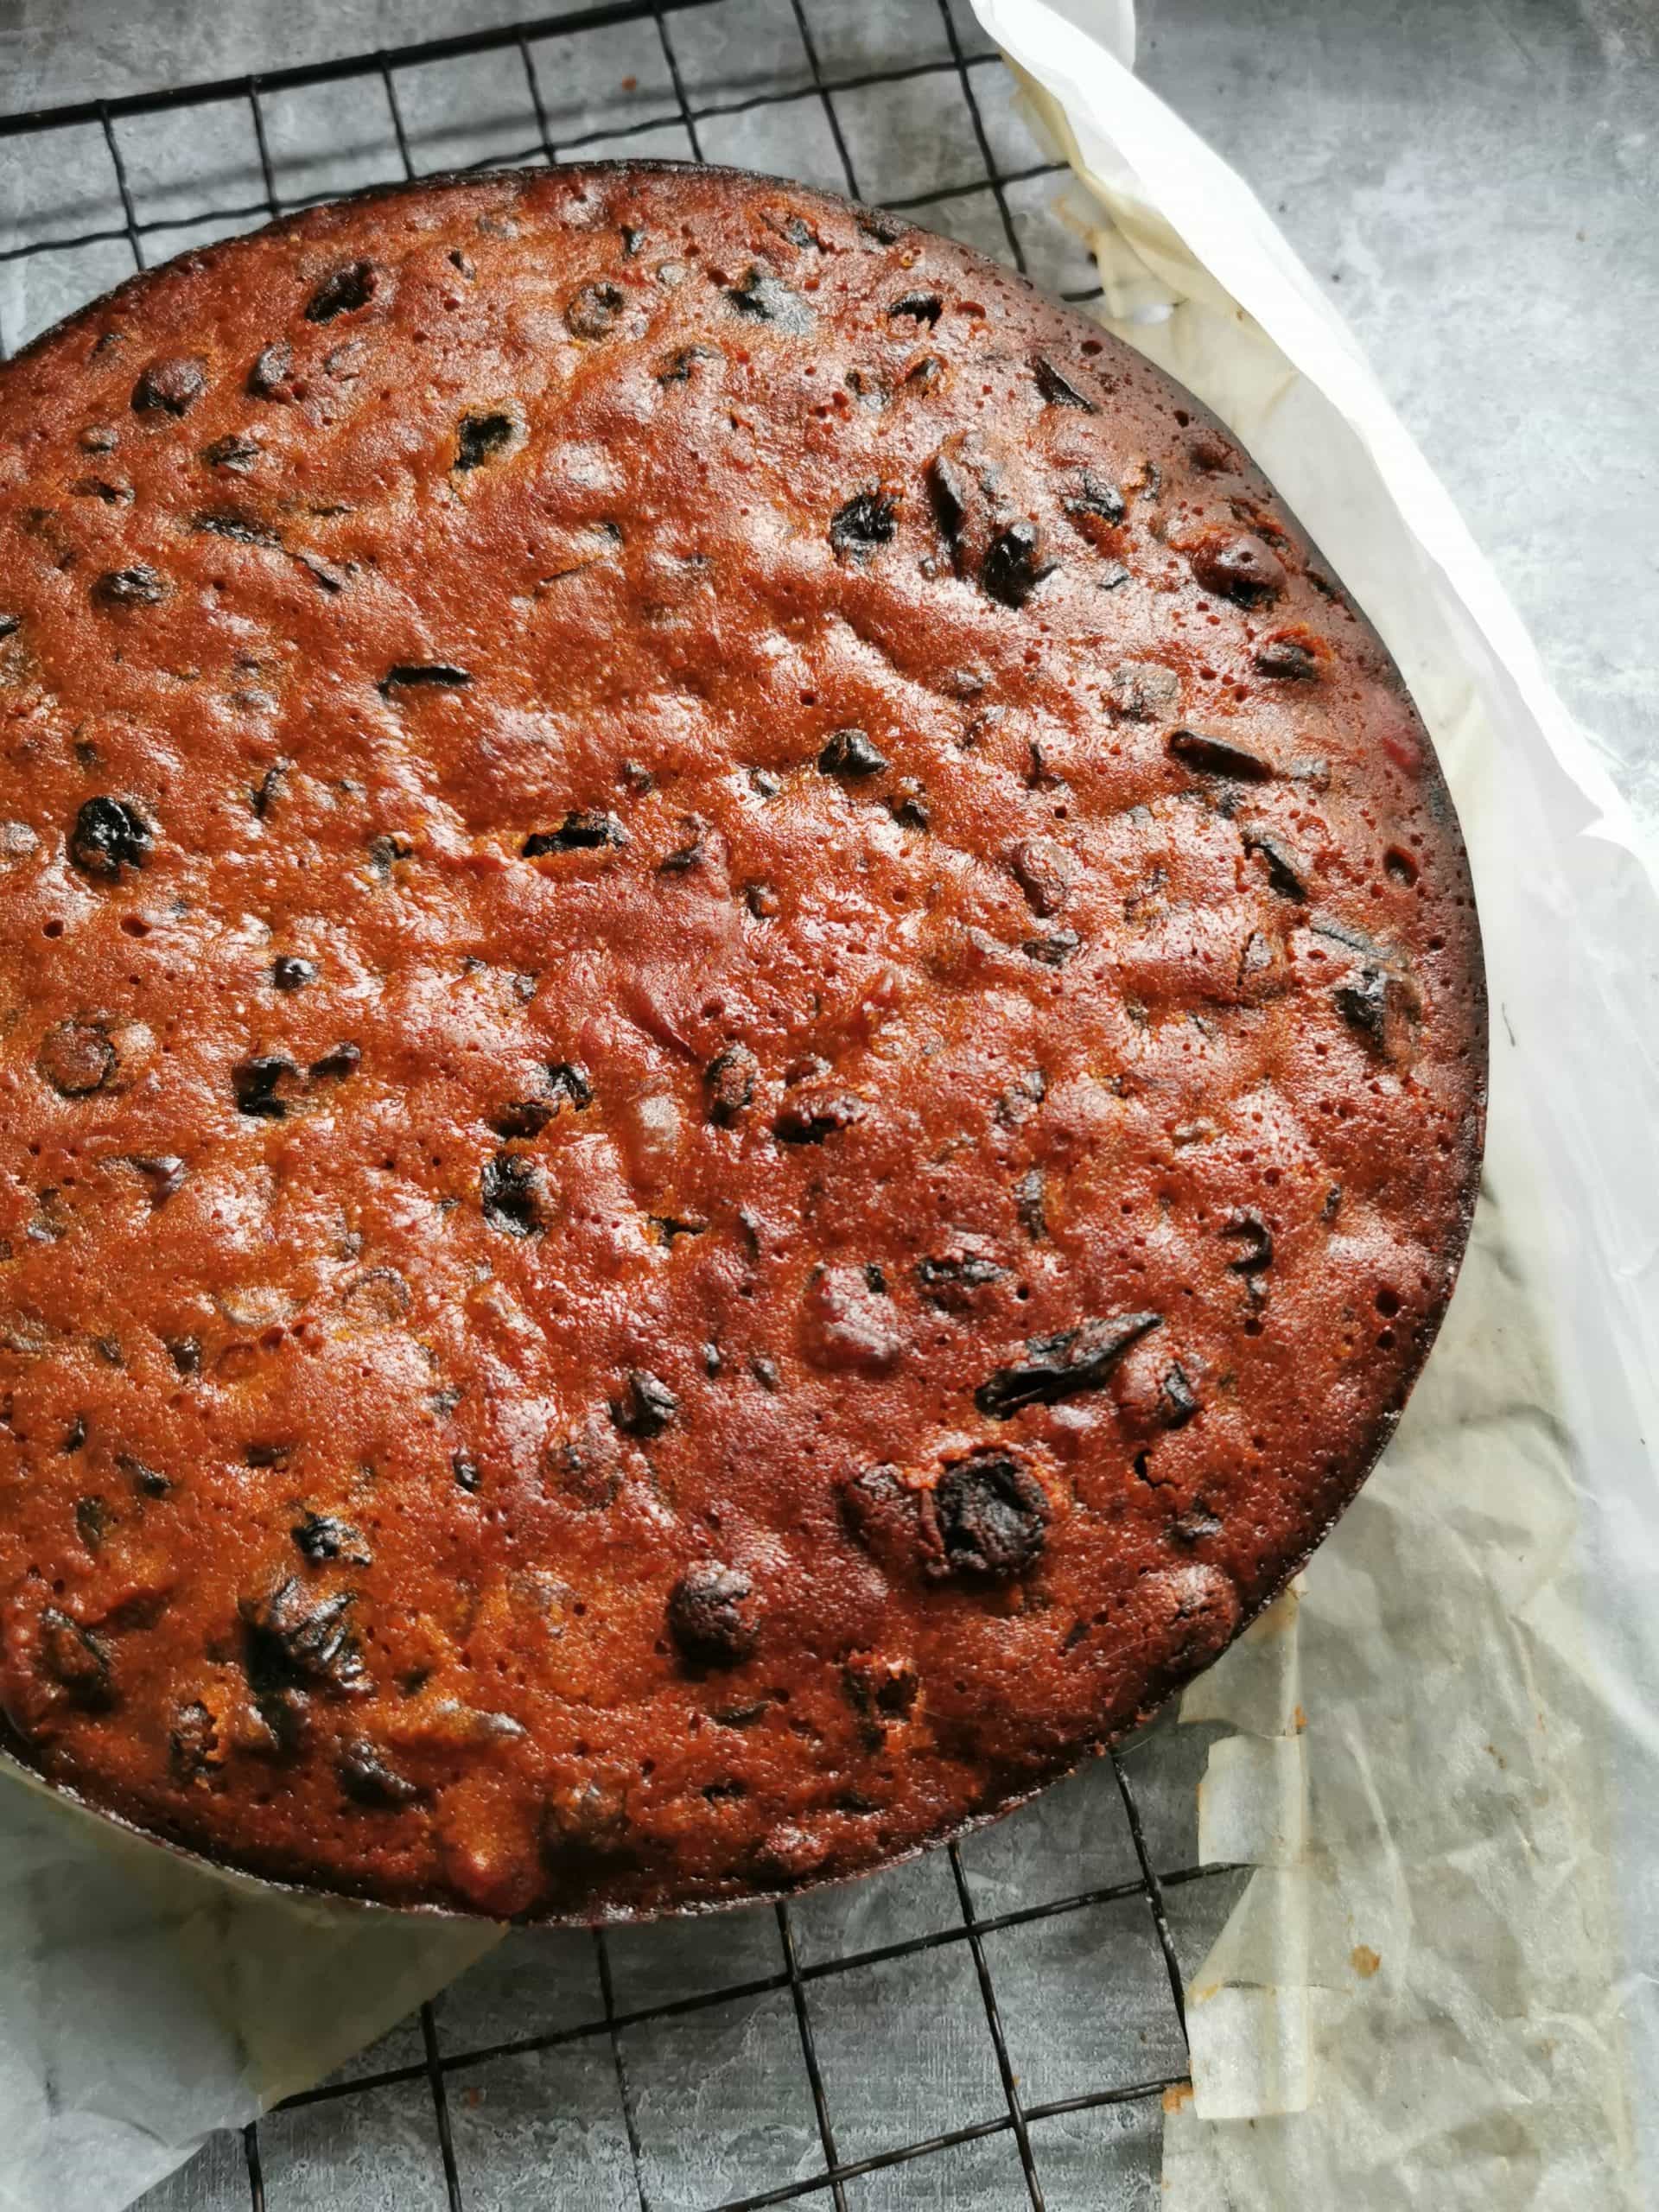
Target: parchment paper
[(1438, 1988)]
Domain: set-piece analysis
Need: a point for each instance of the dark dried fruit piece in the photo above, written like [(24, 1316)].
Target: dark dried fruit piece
[(1244, 570), (850, 753), (1284, 873), (170, 387), (1286, 657), (1217, 756), (729, 1080), (1014, 566), (1028, 1193), (1195, 1526), (1021, 1097), (289, 972), (818, 1114), (647, 1407), (264, 795), (767, 299), (920, 307), (411, 675), (92, 1518), (950, 1278), (343, 292), (322, 1536), (869, 520), (77, 1661), (1053, 951), (1057, 390), (583, 830), (992, 1517), (149, 1482), (77, 1058), (1255, 1240), (271, 371), (1095, 501), (139, 586), (237, 528), (678, 371), (236, 454), (255, 1082), (298, 1639), (1362, 1002), (193, 1746), (949, 494), (593, 311), (1063, 1366), (479, 438), (568, 1085), (712, 1615), (384, 851), (337, 1063), (513, 1190), (689, 855), (880, 1690), (109, 835), (98, 487), (367, 1780), (524, 1117), (1177, 1400)]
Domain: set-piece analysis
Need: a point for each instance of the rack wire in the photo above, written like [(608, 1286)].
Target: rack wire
[(1109, 2015)]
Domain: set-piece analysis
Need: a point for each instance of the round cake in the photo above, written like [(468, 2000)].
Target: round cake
[(743, 1043)]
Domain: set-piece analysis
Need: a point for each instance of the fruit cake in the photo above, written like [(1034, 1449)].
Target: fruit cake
[(743, 1043)]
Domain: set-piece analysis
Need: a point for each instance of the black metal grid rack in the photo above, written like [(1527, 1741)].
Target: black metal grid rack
[(1088, 2019)]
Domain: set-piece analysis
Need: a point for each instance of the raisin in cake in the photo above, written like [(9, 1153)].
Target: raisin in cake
[(742, 1052)]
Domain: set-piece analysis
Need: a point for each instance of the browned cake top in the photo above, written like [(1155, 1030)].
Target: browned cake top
[(742, 1042)]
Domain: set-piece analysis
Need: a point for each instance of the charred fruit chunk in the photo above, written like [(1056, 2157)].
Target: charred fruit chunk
[(1217, 756), (109, 834), (513, 1190), (1013, 565), (992, 1516), (322, 1536), (850, 753), (868, 521), (647, 1407), (1243, 569), (364, 1777), (730, 1080), (343, 292), (77, 1661), (584, 830), (1063, 1366), (712, 1614), (766, 298), (299, 1639), (170, 387)]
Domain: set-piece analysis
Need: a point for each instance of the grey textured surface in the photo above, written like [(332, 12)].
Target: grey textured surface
[(1477, 181)]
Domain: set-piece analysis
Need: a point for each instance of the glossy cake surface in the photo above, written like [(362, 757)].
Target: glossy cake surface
[(742, 1044)]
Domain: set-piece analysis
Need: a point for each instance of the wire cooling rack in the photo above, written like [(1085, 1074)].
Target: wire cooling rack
[(995, 2024)]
